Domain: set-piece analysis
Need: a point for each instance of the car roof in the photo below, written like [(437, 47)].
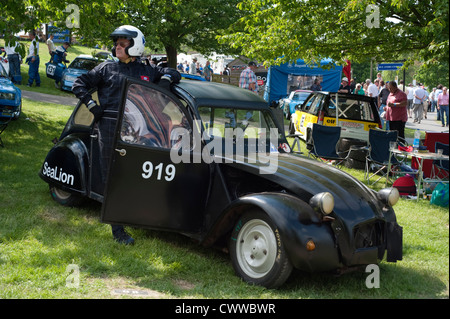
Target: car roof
[(347, 95), (306, 91), (86, 56), (219, 94)]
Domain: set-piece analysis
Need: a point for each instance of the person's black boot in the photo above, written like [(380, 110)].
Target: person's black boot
[(121, 236)]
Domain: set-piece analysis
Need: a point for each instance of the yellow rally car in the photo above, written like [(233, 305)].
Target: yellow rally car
[(355, 114)]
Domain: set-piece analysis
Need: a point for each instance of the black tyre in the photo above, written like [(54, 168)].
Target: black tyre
[(65, 198), (257, 251)]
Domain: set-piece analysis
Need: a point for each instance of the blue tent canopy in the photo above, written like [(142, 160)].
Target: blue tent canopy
[(277, 77)]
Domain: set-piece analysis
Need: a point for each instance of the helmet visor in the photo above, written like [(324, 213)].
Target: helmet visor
[(123, 33)]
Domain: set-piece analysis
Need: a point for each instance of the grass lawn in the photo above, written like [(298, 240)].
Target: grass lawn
[(43, 244)]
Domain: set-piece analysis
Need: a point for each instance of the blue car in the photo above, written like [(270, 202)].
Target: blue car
[(80, 65), (295, 98), (10, 97)]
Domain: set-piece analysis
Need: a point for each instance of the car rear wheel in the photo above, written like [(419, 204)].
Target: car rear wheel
[(65, 198), (257, 251)]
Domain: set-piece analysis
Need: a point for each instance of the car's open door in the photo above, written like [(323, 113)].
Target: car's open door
[(145, 187)]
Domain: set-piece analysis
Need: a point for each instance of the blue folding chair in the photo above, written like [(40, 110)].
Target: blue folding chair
[(440, 167), (325, 141), (377, 159)]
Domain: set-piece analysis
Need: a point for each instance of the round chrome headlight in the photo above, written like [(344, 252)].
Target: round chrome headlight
[(323, 202), (389, 196)]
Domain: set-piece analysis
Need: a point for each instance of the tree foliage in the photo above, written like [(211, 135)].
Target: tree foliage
[(168, 24), (277, 31)]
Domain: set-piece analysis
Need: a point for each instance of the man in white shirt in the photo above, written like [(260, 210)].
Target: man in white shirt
[(410, 96), (418, 99), (33, 61), (51, 46), (14, 59), (193, 66), (372, 90)]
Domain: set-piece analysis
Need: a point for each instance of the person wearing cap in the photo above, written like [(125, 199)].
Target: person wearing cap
[(109, 78), (247, 79), (193, 66), (344, 88)]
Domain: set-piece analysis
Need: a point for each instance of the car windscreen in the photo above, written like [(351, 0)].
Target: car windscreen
[(300, 96), (251, 126), (84, 64), (351, 109)]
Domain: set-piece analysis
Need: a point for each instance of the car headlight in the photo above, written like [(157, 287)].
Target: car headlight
[(70, 78), (322, 202), (7, 96), (389, 196)]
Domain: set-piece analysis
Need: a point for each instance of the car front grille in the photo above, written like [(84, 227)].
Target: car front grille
[(369, 235)]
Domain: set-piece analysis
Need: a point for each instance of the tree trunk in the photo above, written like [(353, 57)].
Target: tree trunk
[(171, 53)]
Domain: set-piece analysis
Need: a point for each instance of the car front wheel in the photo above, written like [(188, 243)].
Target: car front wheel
[(65, 198), (257, 251)]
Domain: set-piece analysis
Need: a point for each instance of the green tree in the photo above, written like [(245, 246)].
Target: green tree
[(168, 24), (277, 31)]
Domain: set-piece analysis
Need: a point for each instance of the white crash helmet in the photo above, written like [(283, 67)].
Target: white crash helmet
[(136, 37)]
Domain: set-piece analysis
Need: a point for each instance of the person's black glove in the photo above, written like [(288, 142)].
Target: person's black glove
[(165, 82), (95, 109)]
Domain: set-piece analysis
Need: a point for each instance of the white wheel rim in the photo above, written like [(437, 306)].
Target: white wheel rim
[(256, 248)]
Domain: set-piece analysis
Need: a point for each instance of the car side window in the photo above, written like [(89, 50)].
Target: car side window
[(306, 106), (152, 118), (315, 105)]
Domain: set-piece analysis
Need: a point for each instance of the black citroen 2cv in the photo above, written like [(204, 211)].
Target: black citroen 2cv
[(211, 161)]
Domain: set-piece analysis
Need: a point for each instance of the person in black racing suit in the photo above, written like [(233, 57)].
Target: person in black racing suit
[(108, 78)]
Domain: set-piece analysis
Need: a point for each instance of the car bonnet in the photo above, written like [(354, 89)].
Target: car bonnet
[(306, 177)]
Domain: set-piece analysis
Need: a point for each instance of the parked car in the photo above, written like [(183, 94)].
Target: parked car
[(10, 97), (288, 104), (355, 114), (212, 164), (80, 65)]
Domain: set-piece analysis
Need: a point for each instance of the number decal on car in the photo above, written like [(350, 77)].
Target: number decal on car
[(148, 168), (51, 69)]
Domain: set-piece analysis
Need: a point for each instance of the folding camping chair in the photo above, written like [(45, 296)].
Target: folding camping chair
[(325, 141), (378, 156), (3, 125), (440, 167)]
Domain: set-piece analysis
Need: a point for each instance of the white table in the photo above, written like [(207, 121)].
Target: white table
[(420, 156)]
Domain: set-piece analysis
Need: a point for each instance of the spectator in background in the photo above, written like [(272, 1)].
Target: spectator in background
[(51, 46), (248, 79), (207, 71), (15, 60), (383, 96), (352, 85), (193, 67), (344, 88), (433, 101), (316, 85), (359, 90), (438, 91), (442, 105), (396, 112), (33, 61), (418, 98), (410, 94)]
